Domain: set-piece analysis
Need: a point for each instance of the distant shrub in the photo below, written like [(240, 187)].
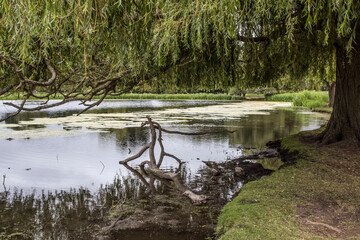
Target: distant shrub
[(195, 96), (310, 99)]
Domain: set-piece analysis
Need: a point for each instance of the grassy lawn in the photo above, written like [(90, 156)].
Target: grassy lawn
[(316, 198)]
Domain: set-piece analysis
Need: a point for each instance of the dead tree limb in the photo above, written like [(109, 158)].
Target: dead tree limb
[(154, 165)]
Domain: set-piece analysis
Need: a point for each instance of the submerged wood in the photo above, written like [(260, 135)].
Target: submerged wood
[(154, 164)]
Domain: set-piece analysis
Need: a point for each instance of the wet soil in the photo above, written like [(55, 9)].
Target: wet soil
[(174, 215)]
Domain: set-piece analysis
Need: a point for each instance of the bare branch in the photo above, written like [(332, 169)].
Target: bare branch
[(7, 89), (18, 60), (48, 82), (141, 177), (14, 66), (22, 108), (174, 157), (114, 78), (19, 109), (139, 154), (81, 88), (154, 168), (95, 103)]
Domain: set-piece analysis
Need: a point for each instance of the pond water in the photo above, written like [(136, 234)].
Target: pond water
[(57, 151)]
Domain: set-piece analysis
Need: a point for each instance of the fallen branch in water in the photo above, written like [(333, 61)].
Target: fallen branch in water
[(154, 165)]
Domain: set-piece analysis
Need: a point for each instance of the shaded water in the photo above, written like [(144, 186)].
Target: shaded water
[(56, 155)]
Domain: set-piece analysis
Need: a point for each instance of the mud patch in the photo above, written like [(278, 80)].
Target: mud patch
[(329, 219)]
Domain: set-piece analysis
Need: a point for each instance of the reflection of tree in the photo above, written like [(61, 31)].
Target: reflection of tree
[(127, 138), (59, 215), (256, 130), (74, 214), (27, 116)]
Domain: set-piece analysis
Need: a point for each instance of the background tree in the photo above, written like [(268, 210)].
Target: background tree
[(83, 48)]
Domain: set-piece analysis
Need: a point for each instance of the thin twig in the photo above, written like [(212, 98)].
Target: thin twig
[(4, 177), (102, 168)]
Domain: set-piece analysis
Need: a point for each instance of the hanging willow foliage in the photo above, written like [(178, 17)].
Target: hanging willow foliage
[(83, 48)]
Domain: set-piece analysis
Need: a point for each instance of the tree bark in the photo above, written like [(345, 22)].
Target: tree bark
[(331, 91), (344, 123)]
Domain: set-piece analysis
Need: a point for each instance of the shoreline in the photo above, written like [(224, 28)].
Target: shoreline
[(314, 198)]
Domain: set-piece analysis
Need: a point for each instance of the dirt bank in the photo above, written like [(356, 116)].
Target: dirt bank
[(316, 197)]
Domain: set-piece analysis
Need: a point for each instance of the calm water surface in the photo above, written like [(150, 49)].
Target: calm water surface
[(90, 159), (56, 168)]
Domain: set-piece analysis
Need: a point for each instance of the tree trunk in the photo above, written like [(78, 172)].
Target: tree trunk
[(344, 123), (331, 94)]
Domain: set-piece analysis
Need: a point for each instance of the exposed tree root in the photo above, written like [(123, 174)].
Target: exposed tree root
[(323, 225), (333, 134)]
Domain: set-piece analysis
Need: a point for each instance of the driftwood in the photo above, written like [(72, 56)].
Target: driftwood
[(153, 164)]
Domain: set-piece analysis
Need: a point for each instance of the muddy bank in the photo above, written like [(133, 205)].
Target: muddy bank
[(130, 209), (172, 214)]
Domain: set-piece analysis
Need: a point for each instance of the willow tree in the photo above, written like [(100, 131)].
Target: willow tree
[(79, 49)]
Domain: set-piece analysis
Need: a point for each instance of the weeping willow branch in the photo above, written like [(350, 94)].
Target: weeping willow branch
[(72, 88), (99, 81)]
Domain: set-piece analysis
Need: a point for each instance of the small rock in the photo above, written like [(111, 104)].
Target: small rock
[(215, 172), (239, 171)]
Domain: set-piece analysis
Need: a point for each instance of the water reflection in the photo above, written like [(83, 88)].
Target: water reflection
[(79, 214), (88, 162), (109, 106), (74, 214), (127, 138), (91, 159), (257, 130)]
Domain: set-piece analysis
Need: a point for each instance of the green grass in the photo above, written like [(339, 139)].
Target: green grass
[(21, 97), (308, 99), (268, 208), (195, 96)]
